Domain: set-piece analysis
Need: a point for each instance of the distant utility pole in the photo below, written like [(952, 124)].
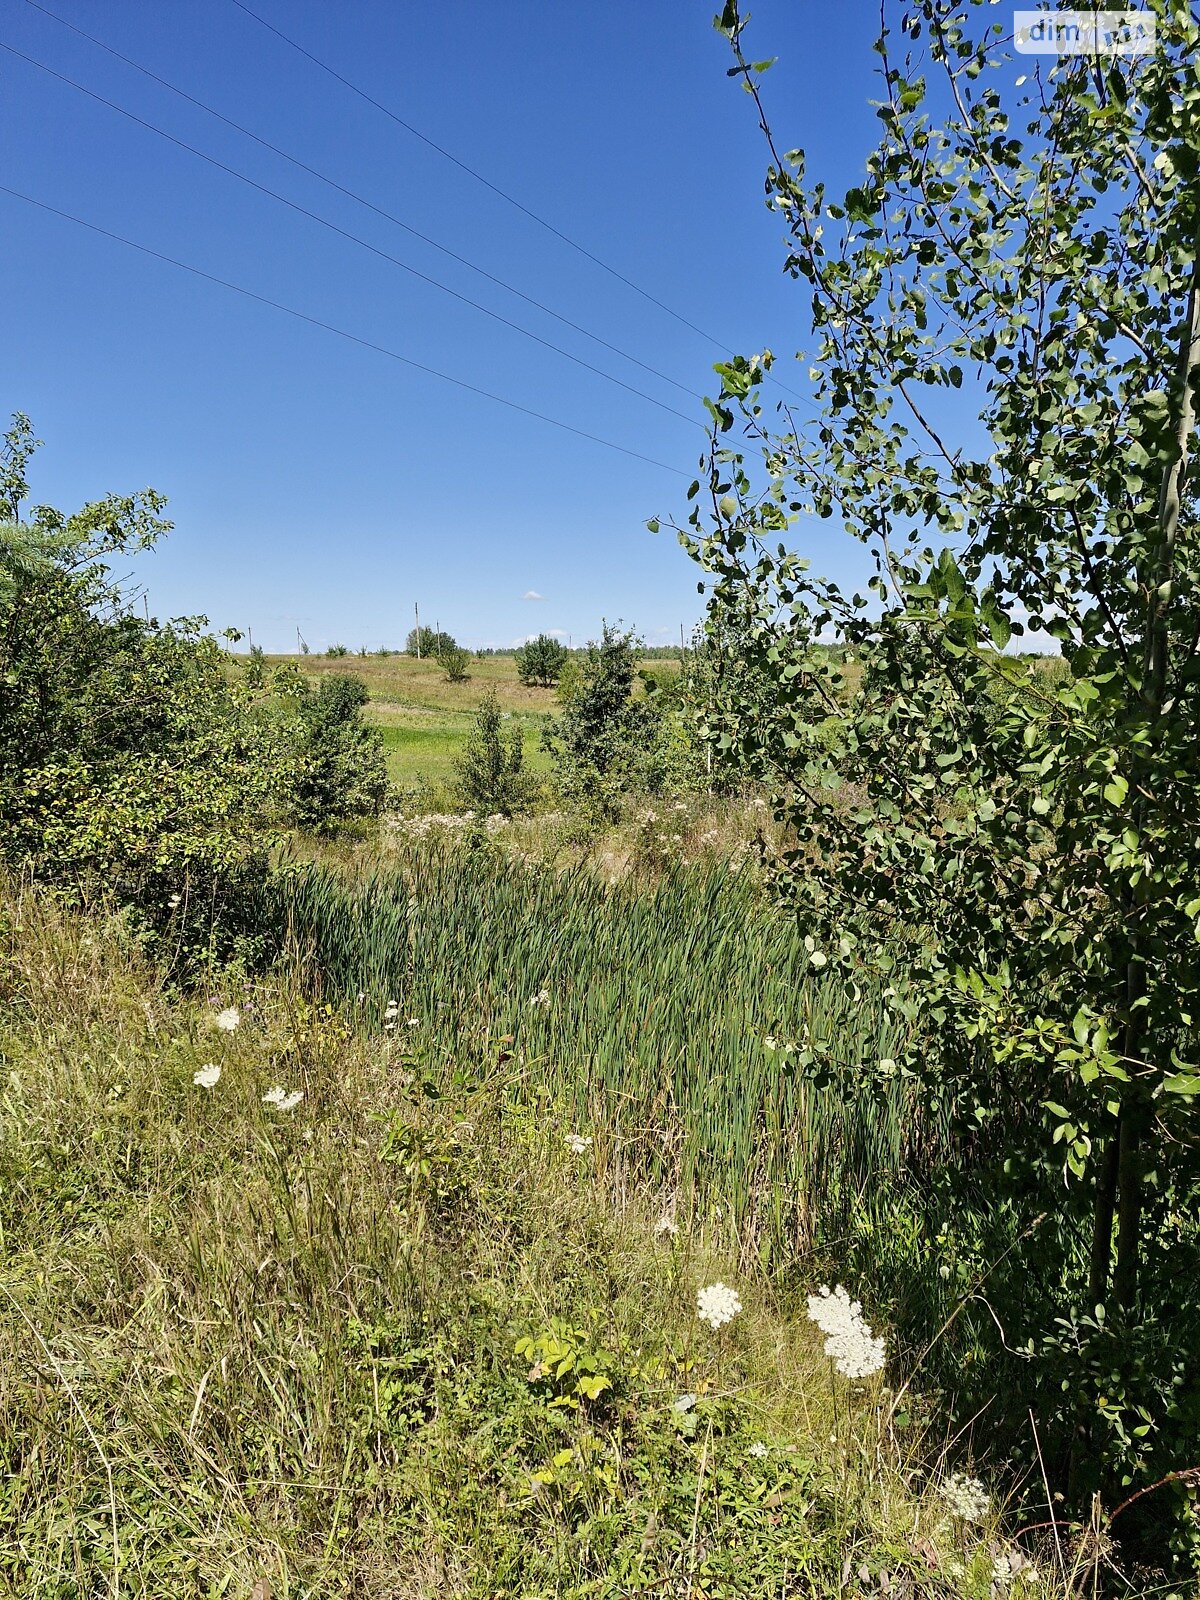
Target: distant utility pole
[(417, 614)]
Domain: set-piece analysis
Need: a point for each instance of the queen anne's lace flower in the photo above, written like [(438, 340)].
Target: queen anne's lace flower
[(966, 1497), (717, 1305), (849, 1342), (228, 1019), (577, 1143), (758, 1449), (207, 1077), (281, 1100)]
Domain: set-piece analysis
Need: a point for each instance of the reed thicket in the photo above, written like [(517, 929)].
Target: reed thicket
[(684, 1023)]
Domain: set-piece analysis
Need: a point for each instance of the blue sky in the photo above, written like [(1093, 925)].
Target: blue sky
[(318, 485)]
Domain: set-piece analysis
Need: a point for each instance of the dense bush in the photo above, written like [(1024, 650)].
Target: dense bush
[(134, 765), (601, 740), (540, 661), (336, 765)]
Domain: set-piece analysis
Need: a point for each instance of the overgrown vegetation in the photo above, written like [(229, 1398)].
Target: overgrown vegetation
[(376, 1272), (1015, 857), (135, 770), (360, 1310)]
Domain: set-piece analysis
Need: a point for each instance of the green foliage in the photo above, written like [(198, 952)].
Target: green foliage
[(127, 770), (429, 643), (600, 741), (337, 770), (723, 1037), (1015, 855), (454, 661), (566, 1361), (491, 776), (540, 661), (241, 1346), (254, 673)]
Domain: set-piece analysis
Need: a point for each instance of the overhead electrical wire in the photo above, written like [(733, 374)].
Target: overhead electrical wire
[(342, 333), (503, 194), (362, 200), (478, 176), (345, 233)]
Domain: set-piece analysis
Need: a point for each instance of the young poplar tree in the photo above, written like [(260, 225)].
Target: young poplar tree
[(1005, 318)]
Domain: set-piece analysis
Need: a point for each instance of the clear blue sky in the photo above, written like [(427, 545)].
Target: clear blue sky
[(317, 484)]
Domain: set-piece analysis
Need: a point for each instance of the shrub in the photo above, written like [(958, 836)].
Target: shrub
[(491, 773), (601, 741), (429, 643), (540, 661), (454, 662), (338, 768)]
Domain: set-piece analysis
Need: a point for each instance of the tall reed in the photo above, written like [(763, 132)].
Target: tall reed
[(679, 1021)]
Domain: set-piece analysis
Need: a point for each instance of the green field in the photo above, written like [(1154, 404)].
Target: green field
[(424, 719)]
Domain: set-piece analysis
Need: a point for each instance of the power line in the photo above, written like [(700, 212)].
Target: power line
[(344, 233), (478, 176), (361, 200), (342, 333), (487, 183)]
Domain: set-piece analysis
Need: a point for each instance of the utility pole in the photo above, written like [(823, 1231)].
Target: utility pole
[(417, 614)]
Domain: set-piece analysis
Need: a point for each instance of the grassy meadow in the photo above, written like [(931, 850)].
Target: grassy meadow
[(326, 1299), (424, 719)]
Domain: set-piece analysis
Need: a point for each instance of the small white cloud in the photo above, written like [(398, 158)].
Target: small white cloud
[(532, 594)]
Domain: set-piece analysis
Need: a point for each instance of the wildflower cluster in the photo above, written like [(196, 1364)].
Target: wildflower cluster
[(966, 1497), (281, 1099), (849, 1342), (577, 1143), (228, 1019), (207, 1077), (718, 1304), (443, 822)]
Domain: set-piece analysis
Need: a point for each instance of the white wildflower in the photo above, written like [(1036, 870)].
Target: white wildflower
[(414, 1022), (717, 1305), (541, 998), (758, 1449), (666, 1224), (281, 1099), (966, 1497), (228, 1019), (849, 1342), (207, 1077), (577, 1143)]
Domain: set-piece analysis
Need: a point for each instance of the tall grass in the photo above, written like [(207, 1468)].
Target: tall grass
[(678, 1021), (247, 1352)]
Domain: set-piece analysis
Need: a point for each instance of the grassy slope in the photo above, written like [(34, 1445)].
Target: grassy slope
[(239, 1343), (425, 719)]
